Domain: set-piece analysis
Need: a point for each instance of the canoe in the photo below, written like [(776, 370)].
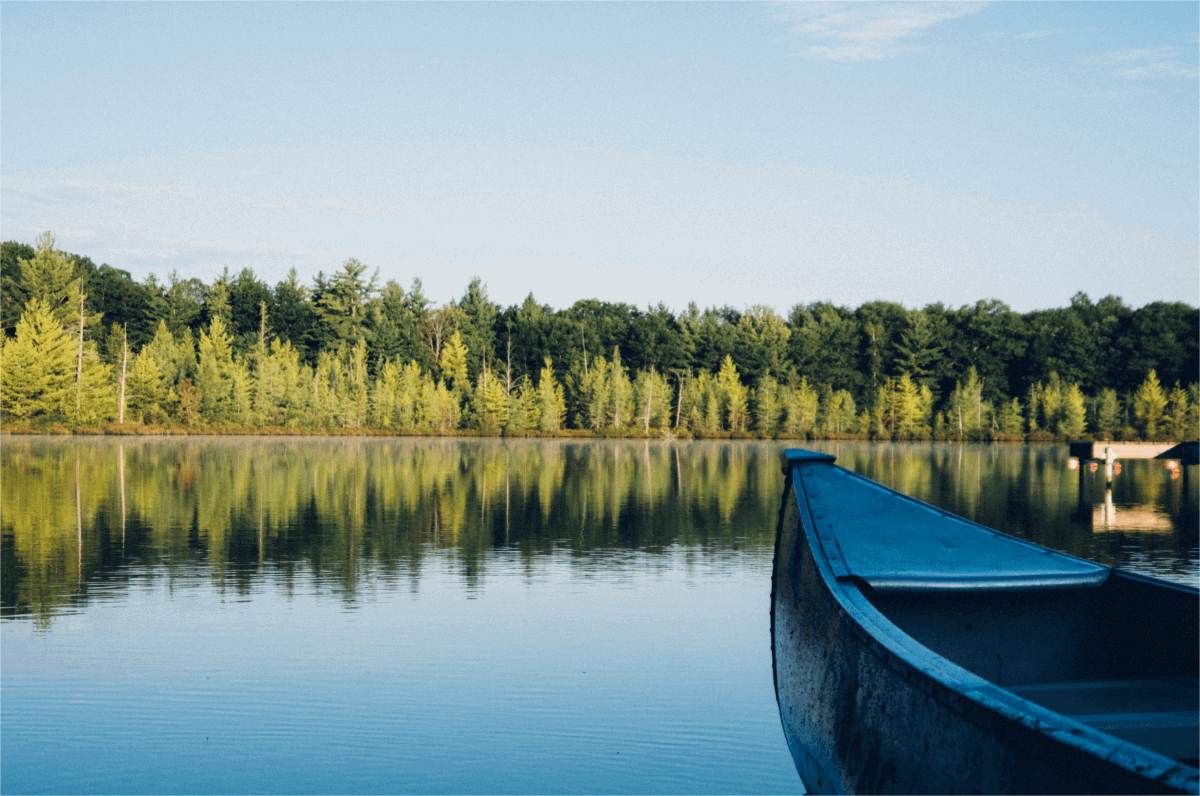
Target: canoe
[(915, 651)]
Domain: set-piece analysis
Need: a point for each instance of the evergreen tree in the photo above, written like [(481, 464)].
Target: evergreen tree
[(652, 399), (1073, 413), (1177, 414), (454, 363), (918, 348), (1010, 417), (49, 277), (343, 301), (36, 378), (620, 393), (909, 408), (1108, 414), (1193, 412), (733, 395), (358, 394), (766, 405), (147, 395), (551, 405), (214, 375), (1148, 405), (241, 394), (839, 412)]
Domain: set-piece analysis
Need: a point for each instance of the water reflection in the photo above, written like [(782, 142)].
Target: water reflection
[(83, 517), (83, 513)]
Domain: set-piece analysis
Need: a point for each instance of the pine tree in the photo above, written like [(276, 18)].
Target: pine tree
[(1108, 414), (733, 395), (1177, 414), (1193, 413), (839, 412), (408, 396), (36, 378), (908, 407), (652, 399), (358, 394), (495, 401), (807, 403), (766, 405), (214, 376), (1052, 403), (1148, 405), (50, 277), (620, 392), (383, 396), (145, 390), (1032, 407), (241, 393), (551, 405), (1073, 413), (1010, 417), (454, 363)]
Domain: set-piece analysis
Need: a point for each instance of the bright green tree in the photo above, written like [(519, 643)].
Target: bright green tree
[(37, 377), (839, 412), (909, 408), (214, 375), (1074, 412), (652, 399), (454, 363), (1107, 413), (145, 391), (551, 405), (733, 395), (1148, 405), (1010, 417), (766, 405), (1177, 414)]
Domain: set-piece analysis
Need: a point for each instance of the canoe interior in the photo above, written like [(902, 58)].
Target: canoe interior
[(1121, 656)]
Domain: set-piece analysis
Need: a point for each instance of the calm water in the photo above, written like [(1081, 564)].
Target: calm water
[(444, 616)]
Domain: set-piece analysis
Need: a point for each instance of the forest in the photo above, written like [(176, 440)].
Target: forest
[(88, 348)]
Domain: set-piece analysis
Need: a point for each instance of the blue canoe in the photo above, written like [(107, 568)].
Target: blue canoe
[(917, 652)]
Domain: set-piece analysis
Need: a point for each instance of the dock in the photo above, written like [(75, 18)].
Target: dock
[(1183, 452)]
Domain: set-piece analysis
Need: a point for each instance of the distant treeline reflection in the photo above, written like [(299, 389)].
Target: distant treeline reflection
[(77, 514), (84, 517)]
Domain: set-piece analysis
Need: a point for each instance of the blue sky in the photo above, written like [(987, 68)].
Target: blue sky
[(735, 153)]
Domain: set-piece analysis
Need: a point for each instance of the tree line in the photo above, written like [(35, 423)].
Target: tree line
[(87, 345)]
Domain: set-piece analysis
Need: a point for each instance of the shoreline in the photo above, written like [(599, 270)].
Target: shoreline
[(115, 430)]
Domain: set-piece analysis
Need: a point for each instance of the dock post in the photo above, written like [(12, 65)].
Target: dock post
[(1108, 467)]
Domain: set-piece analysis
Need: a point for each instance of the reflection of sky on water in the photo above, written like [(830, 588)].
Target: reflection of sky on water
[(353, 615)]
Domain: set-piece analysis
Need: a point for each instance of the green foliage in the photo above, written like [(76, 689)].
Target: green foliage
[(1148, 405), (49, 277), (733, 394), (1178, 415), (145, 391), (37, 373), (214, 374), (766, 405), (342, 303), (1107, 414), (454, 363), (1074, 413), (551, 407), (689, 369)]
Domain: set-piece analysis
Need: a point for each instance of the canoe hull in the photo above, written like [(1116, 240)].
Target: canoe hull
[(860, 716)]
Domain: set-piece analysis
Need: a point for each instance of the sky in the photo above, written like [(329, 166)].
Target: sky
[(724, 153)]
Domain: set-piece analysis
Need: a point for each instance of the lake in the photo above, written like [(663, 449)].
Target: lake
[(389, 615)]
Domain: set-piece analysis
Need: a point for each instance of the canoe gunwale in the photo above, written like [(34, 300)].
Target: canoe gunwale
[(991, 708)]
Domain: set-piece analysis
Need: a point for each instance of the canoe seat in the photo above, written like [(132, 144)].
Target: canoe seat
[(1161, 714)]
